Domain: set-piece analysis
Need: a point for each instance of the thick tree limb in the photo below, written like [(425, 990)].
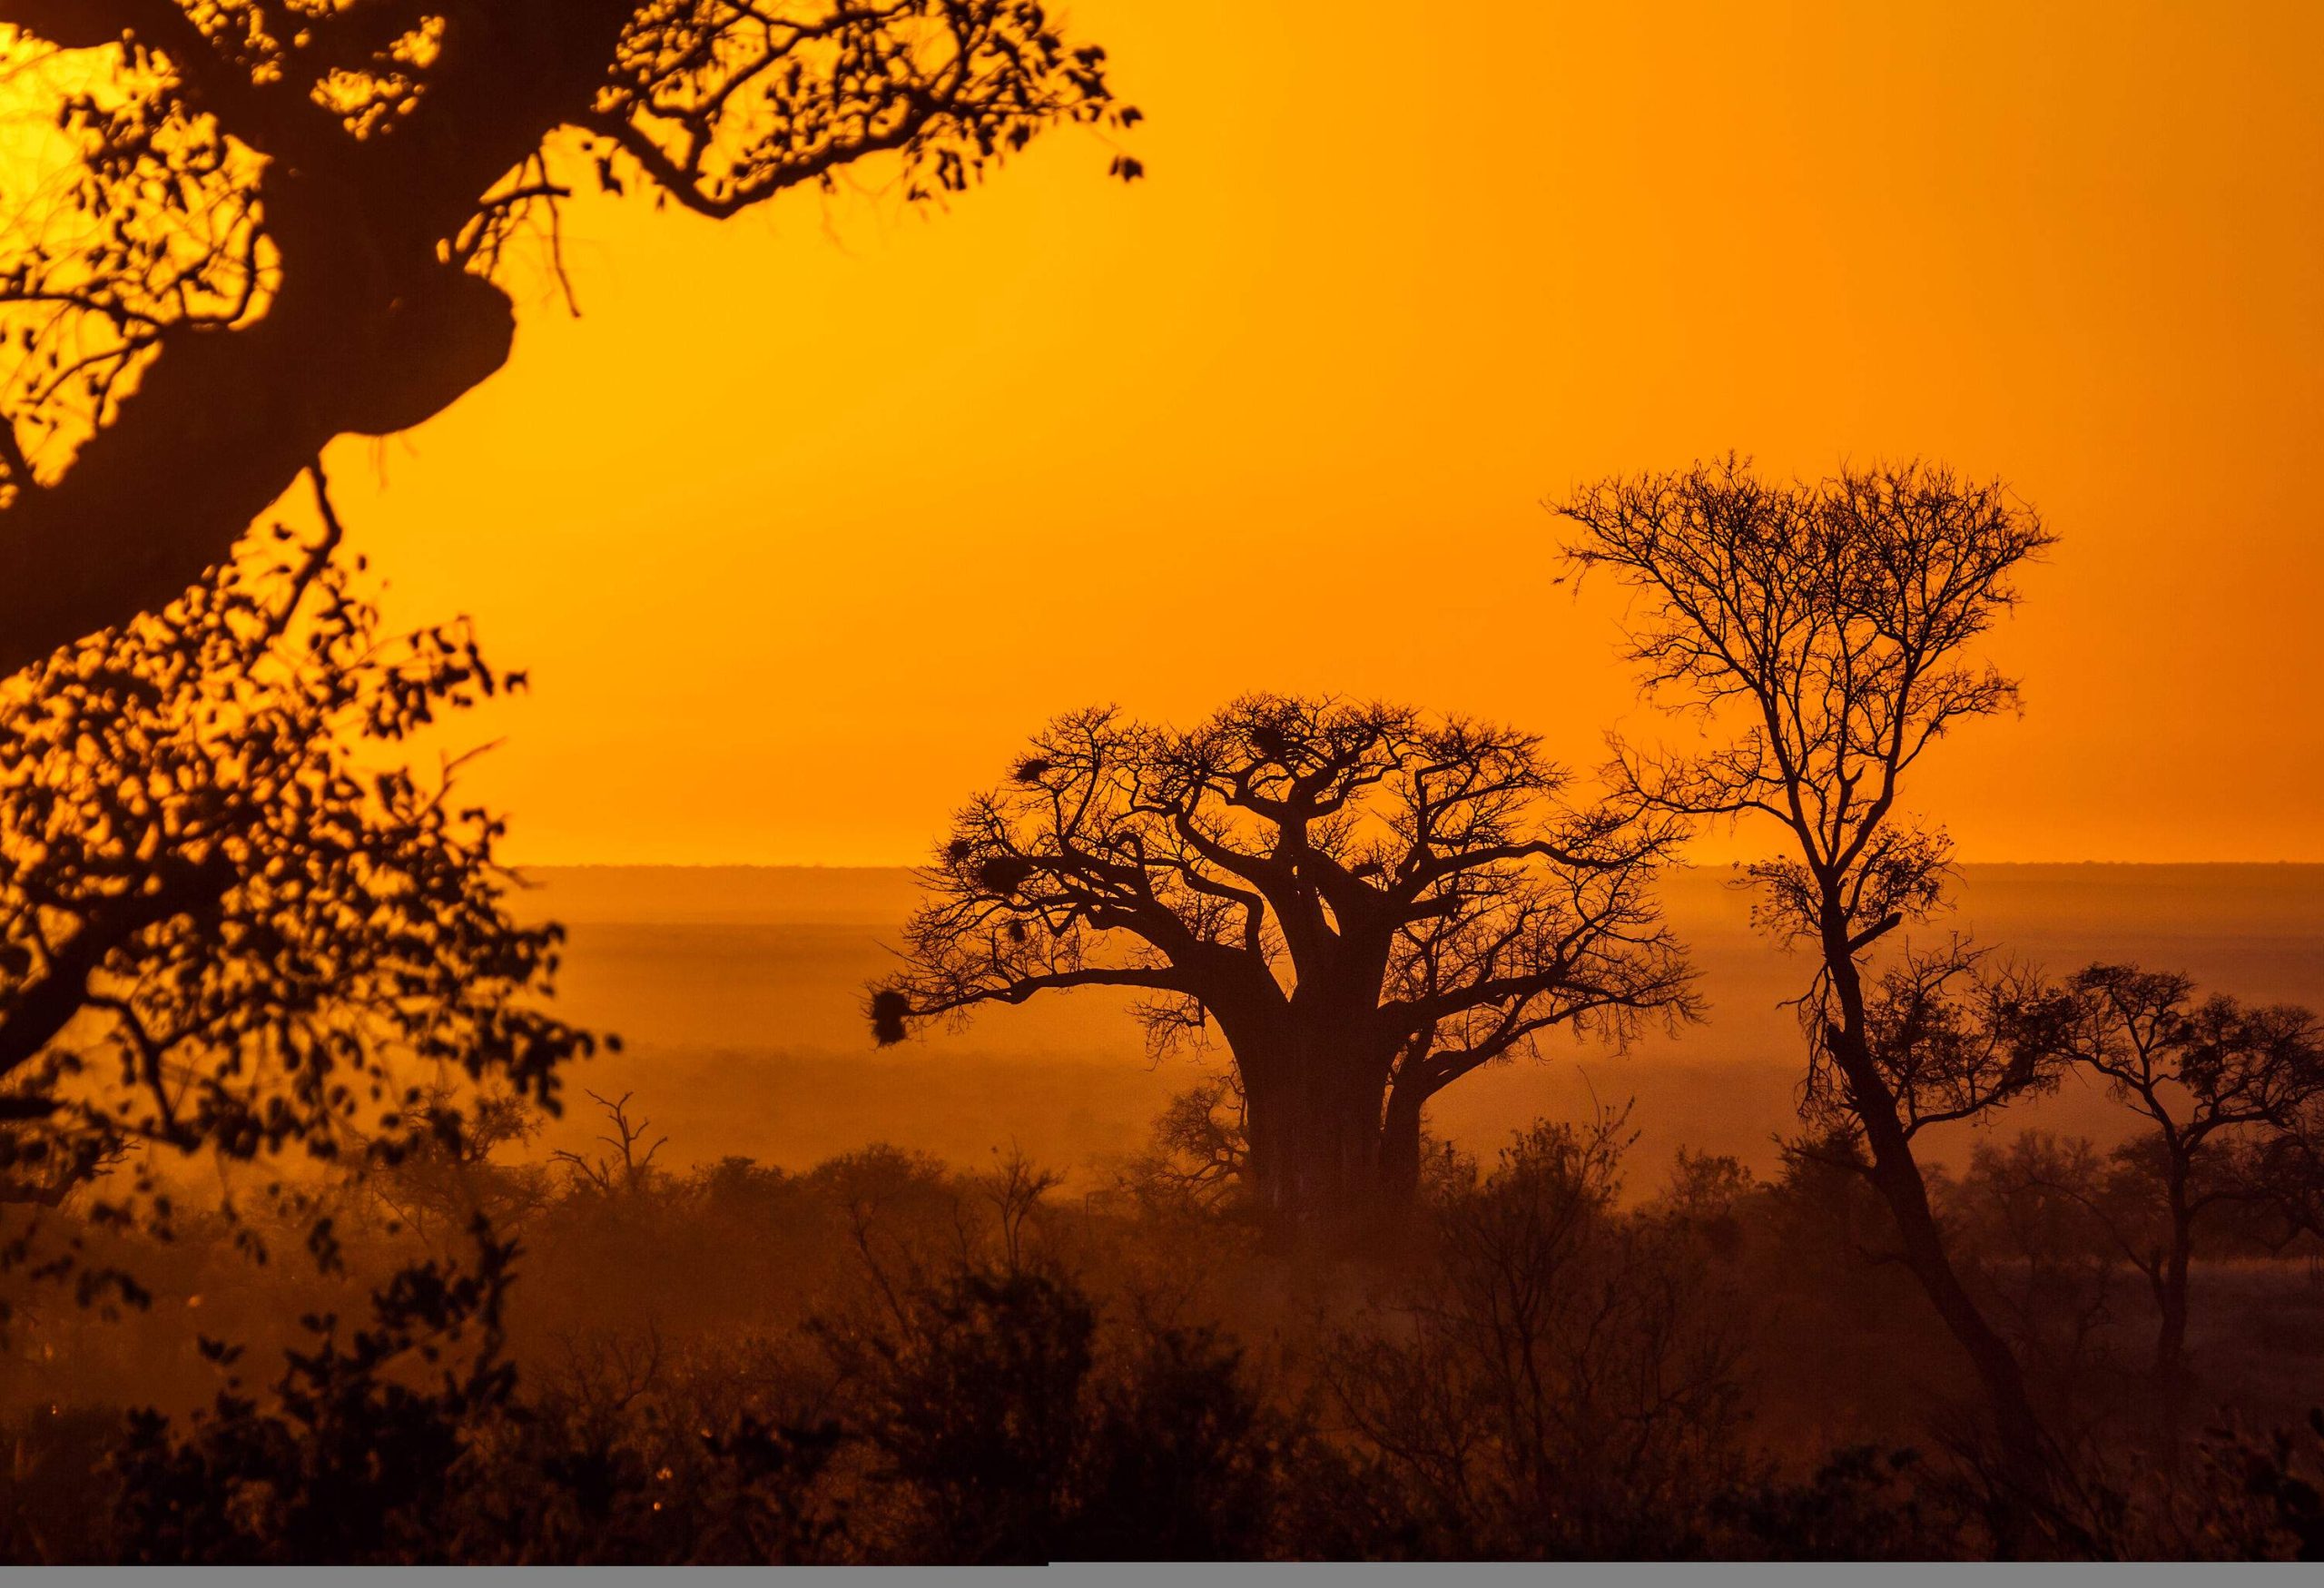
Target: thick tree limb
[(374, 328)]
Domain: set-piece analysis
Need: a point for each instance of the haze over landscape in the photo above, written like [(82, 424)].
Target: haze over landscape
[(738, 993)]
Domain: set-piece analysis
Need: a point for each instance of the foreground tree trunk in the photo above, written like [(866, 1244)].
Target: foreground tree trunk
[(157, 498), (2173, 1378), (2024, 1444), (1400, 1154), (2027, 1459)]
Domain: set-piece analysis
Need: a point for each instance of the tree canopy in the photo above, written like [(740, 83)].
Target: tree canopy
[(1369, 902), (1823, 633), (2225, 1087)]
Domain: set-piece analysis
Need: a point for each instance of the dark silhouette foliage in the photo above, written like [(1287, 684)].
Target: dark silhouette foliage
[(972, 1399), (233, 920), (1558, 1380), (348, 1461), (1011, 1427), (885, 1360), (269, 223)]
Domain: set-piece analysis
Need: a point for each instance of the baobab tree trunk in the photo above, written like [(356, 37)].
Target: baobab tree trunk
[(1400, 1156), (1331, 1165)]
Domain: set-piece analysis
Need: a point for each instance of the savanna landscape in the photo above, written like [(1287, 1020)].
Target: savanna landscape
[(932, 783)]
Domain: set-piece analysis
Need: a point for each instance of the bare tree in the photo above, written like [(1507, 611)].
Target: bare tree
[(231, 917), (273, 222), (1370, 904), (1822, 632), (627, 1171), (606, 1372), (1014, 1189), (1201, 1153), (2204, 1074)]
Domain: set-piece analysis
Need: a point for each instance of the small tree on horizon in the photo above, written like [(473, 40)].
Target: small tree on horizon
[(2211, 1076), (1370, 905)]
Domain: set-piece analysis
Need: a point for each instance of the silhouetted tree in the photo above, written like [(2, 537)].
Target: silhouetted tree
[(1006, 1430), (273, 222), (1202, 1145), (1370, 904), (1182, 1461), (972, 1395), (2037, 1218), (1822, 631), (627, 1172), (2266, 1501), (2279, 1177), (230, 918), (444, 1177), (1707, 1193), (2203, 1073)]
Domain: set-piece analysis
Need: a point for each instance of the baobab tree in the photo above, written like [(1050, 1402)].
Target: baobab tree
[(233, 919), (1822, 632), (1370, 904), (273, 222), (2208, 1075)]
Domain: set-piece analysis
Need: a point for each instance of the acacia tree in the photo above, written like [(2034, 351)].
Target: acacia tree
[(273, 222), (2280, 1178), (233, 918), (1370, 904), (2208, 1074), (1822, 632)]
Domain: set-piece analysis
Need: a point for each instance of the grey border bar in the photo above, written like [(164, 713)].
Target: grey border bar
[(1617, 1574)]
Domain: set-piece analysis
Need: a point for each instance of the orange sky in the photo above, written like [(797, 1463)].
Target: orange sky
[(811, 516)]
